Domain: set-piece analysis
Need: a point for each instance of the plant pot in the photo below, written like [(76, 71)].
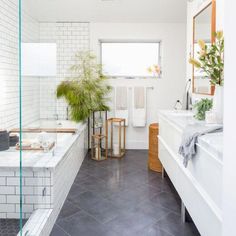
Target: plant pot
[(218, 103)]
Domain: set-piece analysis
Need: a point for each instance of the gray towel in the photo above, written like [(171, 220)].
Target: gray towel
[(190, 138)]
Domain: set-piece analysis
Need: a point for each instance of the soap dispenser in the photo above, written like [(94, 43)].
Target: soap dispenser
[(178, 105)]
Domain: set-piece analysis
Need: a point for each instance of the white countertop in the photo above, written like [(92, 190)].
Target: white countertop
[(213, 142)]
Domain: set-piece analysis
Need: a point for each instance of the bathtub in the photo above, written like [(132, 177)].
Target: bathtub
[(46, 123), (47, 177), (58, 131)]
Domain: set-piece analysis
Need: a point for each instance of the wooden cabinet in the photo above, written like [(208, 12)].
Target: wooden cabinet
[(153, 160)]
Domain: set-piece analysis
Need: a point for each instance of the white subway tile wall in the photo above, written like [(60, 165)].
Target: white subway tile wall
[(9, 76), (70, 38), (38, 94)]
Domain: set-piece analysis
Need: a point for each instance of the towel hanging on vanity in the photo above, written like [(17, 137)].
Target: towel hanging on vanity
[(121, 103), (190, 137), (139, 106)]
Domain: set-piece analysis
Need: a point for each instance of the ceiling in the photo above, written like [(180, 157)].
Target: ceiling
[(108, 10)]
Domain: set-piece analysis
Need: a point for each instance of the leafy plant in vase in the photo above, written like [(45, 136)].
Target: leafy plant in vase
[(202, 107), (87, 89), (211, 61)]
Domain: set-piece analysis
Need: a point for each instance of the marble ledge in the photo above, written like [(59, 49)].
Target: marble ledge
[(36, 160)]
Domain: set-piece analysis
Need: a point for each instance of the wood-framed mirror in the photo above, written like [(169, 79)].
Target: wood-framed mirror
[(204, 27)]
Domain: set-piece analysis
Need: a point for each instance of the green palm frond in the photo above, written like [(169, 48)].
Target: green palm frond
[(87, 89)]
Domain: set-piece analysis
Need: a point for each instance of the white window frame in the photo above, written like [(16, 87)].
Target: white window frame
[(159, 62)]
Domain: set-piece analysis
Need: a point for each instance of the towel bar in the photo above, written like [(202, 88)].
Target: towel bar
[(142, 86)]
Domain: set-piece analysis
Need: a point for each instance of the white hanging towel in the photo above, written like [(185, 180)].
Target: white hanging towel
[(121, 103), (139, 106)]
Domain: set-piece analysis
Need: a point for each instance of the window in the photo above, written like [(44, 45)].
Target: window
[(130, 59)]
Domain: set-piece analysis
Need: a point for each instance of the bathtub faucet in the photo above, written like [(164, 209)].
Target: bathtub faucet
[(56, 116)]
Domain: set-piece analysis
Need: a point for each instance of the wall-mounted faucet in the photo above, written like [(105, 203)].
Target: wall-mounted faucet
[(187, 99), (56, 116)]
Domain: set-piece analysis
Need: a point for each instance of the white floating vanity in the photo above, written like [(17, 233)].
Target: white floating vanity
[(200, 184)]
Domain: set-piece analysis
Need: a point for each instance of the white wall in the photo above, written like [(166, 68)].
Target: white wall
[(166, 90), (229, 179), (9, 77)]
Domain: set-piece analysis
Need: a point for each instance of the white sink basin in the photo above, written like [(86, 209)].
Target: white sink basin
[(182, 113)]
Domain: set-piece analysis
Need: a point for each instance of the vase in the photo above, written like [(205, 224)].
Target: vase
[(218, 103)]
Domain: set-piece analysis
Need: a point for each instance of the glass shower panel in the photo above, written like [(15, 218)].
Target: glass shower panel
[(28, 117), (38, 120), (10, 155)]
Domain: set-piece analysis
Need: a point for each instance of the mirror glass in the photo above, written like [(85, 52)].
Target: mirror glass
[(202, 30)]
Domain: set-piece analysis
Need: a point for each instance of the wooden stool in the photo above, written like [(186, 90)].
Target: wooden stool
[(153, 160)]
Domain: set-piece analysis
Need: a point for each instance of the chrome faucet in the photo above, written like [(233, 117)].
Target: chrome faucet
[(187, 98)]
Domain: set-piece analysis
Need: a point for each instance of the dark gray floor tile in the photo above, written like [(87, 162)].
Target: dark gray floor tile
[(142, 176), (162, 184), (172, 223), (86, 199), (130, 222), (68, 210), (58, 231), (81, 177), (167, 200), (75, 191), (102, 173), (103, 211), (121, 197), (130, 198), (156, 212), (91, 183), (82, 224), (153, 231)]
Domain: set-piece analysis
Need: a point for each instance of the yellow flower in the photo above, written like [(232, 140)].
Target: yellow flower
[(194, 62), (149, 69), (202, 44), (202, 53), (219, 35), (158, 69)]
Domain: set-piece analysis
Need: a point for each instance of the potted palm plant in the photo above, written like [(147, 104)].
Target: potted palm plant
[(87, 89), (211, 61)]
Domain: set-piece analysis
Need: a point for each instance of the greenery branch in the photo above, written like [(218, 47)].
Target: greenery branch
[(211, 59), (87, 89), (201, 108)]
